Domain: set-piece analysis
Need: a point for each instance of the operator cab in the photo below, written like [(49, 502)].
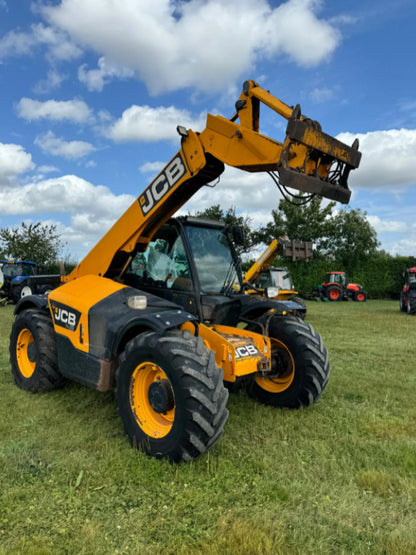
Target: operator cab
[(337, 277), (191, 261), (12, 269), (275, 277)]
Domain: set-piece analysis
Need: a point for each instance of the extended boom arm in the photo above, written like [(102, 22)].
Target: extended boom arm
[(304, 161), (297, 250)]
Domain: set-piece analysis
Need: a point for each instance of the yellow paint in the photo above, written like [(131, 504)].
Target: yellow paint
[(224, 342), (285, 378), (80, 295), (26, 366), (154, 424)]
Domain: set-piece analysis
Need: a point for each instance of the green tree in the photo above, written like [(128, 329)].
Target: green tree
[(231, 219), (304, 222), (37, 242), (352, 240)]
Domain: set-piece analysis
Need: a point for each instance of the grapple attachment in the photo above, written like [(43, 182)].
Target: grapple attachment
[(309, 159), (315, 162)]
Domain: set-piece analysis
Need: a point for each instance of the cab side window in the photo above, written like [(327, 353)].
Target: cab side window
[(163, 264)]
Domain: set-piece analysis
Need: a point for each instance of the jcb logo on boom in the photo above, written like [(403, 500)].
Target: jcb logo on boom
[(162, 184), (65, 317), (247, 351)]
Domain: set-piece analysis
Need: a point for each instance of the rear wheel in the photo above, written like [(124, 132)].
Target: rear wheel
[(33, 354), (300, 367), (45, 290), (333, 293), (20, 291), (170, 395)]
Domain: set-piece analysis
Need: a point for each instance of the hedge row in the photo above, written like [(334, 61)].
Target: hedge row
[(381, 275)]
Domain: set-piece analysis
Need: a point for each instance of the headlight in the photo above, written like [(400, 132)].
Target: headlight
[(138, 302), (272, 292)]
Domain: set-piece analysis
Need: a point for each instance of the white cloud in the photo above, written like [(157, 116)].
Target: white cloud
[(55, 146), (16, 43), (250, 193), (381, 225), (294, 29), (52, 81), (321, 94), (14, 160), (207, 45), (47, 169), (62, 110), (143, 123), (71, 195), (152, 167), (388, 158), (95, 79), (68, 193)]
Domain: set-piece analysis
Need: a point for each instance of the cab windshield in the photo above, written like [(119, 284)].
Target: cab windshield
[(214, 262), (275, 278), (13, 270)]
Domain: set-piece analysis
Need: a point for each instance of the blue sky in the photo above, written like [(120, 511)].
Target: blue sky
[(91, 92)]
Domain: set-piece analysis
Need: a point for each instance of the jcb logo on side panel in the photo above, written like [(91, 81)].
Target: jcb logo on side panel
[(172, 173), (64, 316), (247, 351)]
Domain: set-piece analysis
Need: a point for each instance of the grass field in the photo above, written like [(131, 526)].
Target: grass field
[(339, 477)]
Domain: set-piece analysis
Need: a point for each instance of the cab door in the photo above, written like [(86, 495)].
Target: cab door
[(164, 269)]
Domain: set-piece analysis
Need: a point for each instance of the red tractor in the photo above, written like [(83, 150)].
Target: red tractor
[(408, 293), (336, 288)]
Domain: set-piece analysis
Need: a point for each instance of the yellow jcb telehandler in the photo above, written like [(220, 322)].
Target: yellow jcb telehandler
[(157, 310), (263, 279)]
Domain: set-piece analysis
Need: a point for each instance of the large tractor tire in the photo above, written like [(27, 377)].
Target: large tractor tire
[(300, 367), (411, 305), (170, 395), (402, 305), (333, 293), (33, 353), (20, 291)]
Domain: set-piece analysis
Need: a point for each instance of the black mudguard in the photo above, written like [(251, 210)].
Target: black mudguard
[(111, 324), (254, 307)]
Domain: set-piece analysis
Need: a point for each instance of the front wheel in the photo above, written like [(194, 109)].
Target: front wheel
[(300, 366), (170, 395), (32, 353), (360, 296)]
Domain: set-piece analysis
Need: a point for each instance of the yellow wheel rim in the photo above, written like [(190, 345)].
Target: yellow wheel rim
[(24, 353), (152, 419), (281, 381)]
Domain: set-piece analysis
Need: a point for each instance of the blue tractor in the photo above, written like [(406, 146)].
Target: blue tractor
[(20, 278)]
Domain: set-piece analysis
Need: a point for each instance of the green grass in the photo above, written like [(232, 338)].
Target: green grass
[(339, 477)]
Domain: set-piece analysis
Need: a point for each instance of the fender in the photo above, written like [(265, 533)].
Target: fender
[(111, 324), (32, 301), (254, 307)]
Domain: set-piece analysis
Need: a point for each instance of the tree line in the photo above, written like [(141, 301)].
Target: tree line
[(343, 240)]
